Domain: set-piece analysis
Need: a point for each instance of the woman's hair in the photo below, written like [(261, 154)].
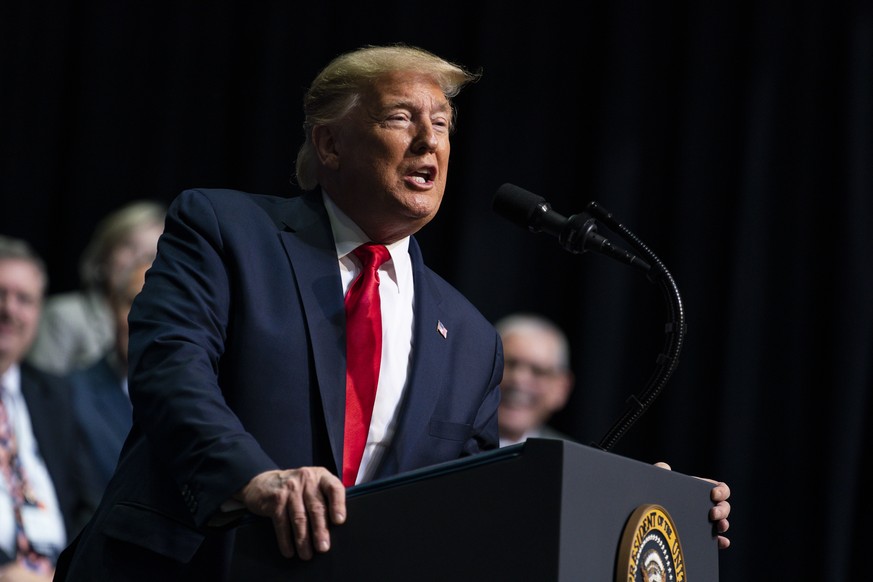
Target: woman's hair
[(115, 231), (338, 87)]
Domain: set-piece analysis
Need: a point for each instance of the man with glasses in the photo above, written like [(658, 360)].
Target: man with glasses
[(537, 380)]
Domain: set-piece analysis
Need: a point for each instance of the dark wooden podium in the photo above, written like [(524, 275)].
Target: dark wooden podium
[(539, 511)]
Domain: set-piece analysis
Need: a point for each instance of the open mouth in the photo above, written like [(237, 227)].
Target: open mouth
[(423, 175)]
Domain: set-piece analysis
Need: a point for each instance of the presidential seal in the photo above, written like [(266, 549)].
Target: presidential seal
[(650, 549)]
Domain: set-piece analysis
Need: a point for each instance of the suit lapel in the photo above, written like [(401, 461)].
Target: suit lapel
[(48, 406), (311, 252), (429, 361)]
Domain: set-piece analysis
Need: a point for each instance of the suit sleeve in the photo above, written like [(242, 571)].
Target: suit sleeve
[(178, 328), (485, 430)]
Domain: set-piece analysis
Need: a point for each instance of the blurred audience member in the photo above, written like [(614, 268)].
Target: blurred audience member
[(77, 327), (101, 403), (41, 498), (537, 380)]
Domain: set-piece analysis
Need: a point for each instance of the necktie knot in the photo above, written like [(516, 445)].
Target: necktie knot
[(372, 255)]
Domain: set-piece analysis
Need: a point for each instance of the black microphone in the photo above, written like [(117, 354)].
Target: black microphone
[(576, 234)]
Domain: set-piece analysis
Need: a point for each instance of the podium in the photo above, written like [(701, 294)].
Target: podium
[(544, 510)]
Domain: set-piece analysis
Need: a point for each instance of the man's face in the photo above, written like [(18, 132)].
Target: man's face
[(21, 293), (534, 386), (388, 160)]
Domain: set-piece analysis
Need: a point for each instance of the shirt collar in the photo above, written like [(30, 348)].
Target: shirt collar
[(347, 236), (11, 380)]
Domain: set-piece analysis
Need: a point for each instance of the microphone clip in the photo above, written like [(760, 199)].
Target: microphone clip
[(578, 233)]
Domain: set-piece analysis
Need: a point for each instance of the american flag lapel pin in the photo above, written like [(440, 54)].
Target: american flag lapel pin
[(442, 329)]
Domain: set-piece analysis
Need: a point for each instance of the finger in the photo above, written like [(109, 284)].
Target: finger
[(663, 465), (282, 527), (723, 543), (721, 525), (720, 510), (318, 521), (297, 513), (720, 492), (335, 492)]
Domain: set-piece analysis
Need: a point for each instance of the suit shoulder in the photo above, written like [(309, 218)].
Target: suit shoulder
[(458, 301), (34, 373), (229, 196), (100, 372), (37, 380), (232, 206), (444, 291)]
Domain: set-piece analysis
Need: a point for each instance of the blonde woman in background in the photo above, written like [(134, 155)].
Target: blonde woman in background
[(77, 327)]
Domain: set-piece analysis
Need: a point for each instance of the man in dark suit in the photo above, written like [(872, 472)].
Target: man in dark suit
[(41, 500), (237, 343), (239, 349)]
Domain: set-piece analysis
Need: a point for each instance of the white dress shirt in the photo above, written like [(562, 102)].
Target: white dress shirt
[(396, 295), (43, 522)]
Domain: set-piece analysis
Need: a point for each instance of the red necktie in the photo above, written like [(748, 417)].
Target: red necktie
[(363, 355)]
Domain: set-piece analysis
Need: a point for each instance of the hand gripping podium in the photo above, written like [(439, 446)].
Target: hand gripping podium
[(544, 510)]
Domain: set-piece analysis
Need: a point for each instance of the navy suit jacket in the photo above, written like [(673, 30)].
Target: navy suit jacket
[(237, 366), (103, 413), (49, 401)]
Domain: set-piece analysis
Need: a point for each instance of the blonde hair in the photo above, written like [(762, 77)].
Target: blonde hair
[(338, 87), (112, 232)]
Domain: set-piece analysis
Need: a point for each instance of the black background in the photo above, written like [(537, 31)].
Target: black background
[(734, 138)]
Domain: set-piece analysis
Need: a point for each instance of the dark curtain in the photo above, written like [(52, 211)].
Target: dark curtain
[(734, 139)]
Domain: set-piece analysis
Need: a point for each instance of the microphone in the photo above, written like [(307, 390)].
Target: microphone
[(576, 234)]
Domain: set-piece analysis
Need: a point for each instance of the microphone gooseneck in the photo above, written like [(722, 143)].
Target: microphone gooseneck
[(578, 234)]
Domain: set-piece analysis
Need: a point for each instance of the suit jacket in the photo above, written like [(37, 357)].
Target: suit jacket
[(237, 366), (48, 399), (103, 413)]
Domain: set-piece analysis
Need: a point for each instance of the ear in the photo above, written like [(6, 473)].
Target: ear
[(325, 143)]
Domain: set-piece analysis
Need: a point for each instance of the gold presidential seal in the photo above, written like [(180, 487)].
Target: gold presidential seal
[(650, 549)]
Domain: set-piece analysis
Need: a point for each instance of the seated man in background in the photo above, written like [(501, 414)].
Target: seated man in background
[(537, 380), (41, 500), (101, 404)]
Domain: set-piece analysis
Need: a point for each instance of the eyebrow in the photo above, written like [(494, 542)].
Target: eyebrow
[(441, 105)]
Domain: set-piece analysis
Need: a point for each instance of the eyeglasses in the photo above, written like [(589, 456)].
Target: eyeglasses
[(537, 371)]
